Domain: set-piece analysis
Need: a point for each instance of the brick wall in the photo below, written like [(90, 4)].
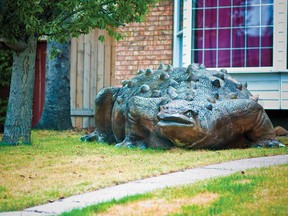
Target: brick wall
[(146, 44)]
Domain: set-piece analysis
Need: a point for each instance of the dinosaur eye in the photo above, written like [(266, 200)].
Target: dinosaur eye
[(189, 114), (163, 107)]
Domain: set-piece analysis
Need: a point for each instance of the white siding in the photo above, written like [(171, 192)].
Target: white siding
[(284, 91), (267, 86)]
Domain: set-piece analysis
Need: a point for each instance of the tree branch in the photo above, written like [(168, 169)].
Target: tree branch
[(17, 46), (71, 14), (113, 20), (108, 2), (83, 8)]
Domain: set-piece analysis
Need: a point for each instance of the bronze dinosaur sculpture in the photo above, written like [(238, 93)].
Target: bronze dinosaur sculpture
[(189, 107)]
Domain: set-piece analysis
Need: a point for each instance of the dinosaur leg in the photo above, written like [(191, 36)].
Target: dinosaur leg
[(104, 103), (263, 133), (141, 126), (250, 118)]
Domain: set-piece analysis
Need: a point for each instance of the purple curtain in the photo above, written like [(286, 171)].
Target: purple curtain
[(237, 35)]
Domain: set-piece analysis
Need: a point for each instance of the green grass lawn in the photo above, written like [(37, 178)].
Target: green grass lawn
[(58, 165), (256, 192)]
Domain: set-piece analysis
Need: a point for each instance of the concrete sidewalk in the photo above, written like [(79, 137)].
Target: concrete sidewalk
[(142, 186)]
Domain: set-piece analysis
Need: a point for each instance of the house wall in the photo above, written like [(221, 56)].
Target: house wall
[(146, 44), (266, 85)]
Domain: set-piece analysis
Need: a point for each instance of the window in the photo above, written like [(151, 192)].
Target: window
[(238, 34), (233, 33)]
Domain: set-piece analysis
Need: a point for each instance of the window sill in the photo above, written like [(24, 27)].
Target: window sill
[(252, 70)]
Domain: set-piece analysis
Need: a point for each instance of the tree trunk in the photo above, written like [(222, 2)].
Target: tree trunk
[(56, 113), (17, 125)]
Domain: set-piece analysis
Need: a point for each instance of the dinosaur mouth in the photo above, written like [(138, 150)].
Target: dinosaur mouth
[(174, 120)]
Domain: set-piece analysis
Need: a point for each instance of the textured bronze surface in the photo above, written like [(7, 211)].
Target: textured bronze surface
[(187, 107)]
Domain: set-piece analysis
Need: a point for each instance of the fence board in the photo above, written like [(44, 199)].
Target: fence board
[(79, 81), (113, 66), (92, 67), (94, 56), (73, 72), (100, 65), (86, 84), (107, 61)]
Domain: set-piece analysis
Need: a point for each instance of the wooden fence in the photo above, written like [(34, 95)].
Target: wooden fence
[(92, 68)]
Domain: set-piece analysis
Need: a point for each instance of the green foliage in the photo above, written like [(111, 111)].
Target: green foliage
[(5, 77), (20, 19), (5, 67), (3, 107)]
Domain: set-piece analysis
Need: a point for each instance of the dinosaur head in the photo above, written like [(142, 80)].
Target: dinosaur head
[(183, 122)]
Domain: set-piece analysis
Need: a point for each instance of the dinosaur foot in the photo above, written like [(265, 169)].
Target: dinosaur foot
[(89, 137), (268, 144), (131, 144)]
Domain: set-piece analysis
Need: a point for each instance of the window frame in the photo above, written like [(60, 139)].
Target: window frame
[(177, 35), (279, 39)]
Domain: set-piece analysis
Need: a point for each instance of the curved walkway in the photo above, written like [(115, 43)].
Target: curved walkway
[(142, 186)]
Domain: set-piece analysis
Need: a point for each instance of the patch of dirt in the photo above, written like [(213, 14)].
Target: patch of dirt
[(244, 181), (159, 207)]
